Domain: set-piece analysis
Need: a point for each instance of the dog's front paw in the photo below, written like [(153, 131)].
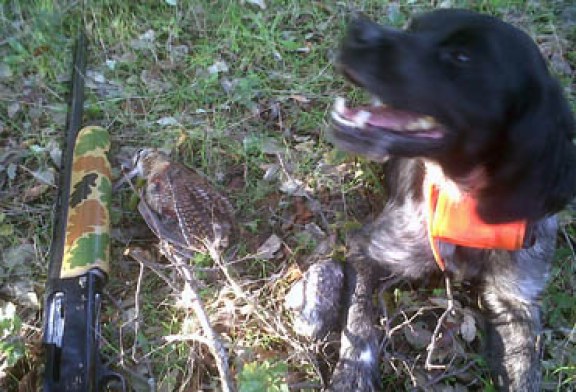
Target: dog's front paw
[(356, 371), (315, 300)]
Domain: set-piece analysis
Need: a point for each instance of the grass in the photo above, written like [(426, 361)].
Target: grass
[(236, 92)]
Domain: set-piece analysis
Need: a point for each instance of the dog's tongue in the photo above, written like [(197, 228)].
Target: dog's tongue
[(382, 116)]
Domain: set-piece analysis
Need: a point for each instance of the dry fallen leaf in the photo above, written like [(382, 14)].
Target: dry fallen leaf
[(218, 67), (258, 3), (144, 41), (299, 98), (272, 146), (21, 292), (269, 248), (271, 171), (154, 82), (13, 109), (178, 52), (302, 213), (17, 260), (44, 176), (468, 328), (293, 187), (417, 335), (167, 121), (95, 80), (33, 193), (5, 71), (55, 152)]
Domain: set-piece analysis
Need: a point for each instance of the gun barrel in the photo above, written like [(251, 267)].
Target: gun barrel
[(79, 256), (75, 112)]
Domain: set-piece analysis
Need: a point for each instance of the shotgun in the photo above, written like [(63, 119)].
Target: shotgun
[(79, 253)]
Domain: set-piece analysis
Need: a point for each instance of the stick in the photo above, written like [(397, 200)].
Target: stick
[(449, 309), (212, 339)]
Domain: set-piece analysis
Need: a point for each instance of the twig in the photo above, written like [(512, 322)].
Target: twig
[(138, 255), (266, 316), (212, 339), (407, 321), (410, 370), (449, 309), (445, 375), (569, 242), (299, 386), (136, 317), (186, 337)]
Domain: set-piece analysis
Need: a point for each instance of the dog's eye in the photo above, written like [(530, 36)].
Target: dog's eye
[(457, 56), (461, 57)]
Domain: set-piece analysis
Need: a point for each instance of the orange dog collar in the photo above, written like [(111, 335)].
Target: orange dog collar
[(457, 222)]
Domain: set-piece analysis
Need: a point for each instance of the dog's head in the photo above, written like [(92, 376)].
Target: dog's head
[(469, 92)]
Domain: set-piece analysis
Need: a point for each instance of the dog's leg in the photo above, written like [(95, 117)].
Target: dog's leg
[(394, 245), (511, 294), (513, 343), (357, 368)]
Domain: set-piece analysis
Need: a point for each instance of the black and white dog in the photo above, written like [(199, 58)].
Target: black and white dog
[(467, 112)]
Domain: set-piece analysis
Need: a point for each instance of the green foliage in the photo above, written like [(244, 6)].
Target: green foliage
[(559, 303), (11, 344), (569, 376), (266, 376), (202, 260), (305, 241), (6, 229)]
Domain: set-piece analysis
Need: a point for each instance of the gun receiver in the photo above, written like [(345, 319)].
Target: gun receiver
[(79, 255)]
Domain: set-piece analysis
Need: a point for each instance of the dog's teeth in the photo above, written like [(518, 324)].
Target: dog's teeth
[(338, 118), (427, 122), (421, 124), (340, 105), (361, 118), (376, 102)]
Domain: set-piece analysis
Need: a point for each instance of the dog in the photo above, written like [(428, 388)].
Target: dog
[(468, 120)]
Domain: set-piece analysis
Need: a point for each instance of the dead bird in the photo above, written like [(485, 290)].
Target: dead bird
[(180, 206)]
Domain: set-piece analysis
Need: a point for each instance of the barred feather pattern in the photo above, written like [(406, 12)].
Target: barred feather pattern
[(187, 210)]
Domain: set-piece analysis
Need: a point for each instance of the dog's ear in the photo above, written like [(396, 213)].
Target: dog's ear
[(537, 174), (560, 187)]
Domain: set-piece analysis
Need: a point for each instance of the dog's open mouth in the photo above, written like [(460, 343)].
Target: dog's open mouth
[(382, 117)]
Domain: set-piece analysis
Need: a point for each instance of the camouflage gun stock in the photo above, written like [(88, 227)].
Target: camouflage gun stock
[(79, 255)]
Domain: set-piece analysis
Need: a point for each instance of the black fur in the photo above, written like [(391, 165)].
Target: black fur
[(504, 117)]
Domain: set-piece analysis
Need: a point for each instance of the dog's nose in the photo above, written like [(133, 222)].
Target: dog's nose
[(363, 32)]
